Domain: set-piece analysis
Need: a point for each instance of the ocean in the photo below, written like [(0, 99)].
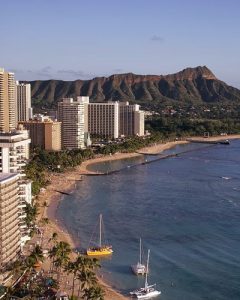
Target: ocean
[(186, 209)]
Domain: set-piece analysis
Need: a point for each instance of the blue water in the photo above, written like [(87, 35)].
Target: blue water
[(186, 209)]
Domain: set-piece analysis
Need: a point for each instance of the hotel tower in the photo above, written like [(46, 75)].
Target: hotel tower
[(8, 106)]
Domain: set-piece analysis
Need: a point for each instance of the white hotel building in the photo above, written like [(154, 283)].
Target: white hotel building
[(14, 153), (71, 114), (111, 120), (115, 119)]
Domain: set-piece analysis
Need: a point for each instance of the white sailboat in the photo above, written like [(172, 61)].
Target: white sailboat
[(139, 268), (148, 291)]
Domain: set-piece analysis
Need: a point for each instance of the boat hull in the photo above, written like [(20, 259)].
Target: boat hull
[(149, 295), (99, 252), (138, 269), (143, 294)]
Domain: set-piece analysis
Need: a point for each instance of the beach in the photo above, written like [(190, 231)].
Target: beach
[(65, 182)]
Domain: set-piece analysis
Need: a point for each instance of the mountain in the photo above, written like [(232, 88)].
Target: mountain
[(194, 85)]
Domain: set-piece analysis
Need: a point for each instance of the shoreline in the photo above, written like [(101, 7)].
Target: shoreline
[(150, 150), (66, 182)]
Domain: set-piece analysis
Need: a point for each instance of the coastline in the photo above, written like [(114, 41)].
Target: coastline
[(65, 182)]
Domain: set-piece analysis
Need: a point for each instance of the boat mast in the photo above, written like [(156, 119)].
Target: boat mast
[(140, 250), (100, 230), (146, 275)]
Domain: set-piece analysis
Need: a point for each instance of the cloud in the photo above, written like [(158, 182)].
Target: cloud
[(118, 70), (157, 38), (49, 72), (75, 74)]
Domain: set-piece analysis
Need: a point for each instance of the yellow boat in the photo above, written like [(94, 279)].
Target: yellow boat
[(104, 250), (100, 250)]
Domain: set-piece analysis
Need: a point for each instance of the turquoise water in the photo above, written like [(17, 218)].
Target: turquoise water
[(186, 209)]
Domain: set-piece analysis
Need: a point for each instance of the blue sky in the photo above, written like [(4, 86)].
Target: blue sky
[(82, 39)]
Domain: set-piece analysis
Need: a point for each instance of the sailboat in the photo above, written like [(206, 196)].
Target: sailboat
[(148, 291), (139, 268), (100, 249)]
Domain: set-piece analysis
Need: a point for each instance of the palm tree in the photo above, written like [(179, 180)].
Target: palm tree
[(93, 263), (87, 278), (53, 238), (72, 267), (31, 212), (85, 275), (94, 293), (37, 254), (61, 252)]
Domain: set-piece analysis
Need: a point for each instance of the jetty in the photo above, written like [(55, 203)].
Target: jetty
[(208, 141), (63, 193)]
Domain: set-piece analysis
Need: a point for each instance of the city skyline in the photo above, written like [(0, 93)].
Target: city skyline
[(81, 40)]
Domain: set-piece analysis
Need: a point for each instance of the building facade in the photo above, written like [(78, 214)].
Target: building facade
[(103, 119), (44, 132), (71, 115), (9, 221), (8, 105), (115, 119), (139, 123), (14, 151), (14, 154), (24, 108)]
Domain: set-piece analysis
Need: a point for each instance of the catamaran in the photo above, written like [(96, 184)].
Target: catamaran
[(139, 268), (100, 249), (148, 291)]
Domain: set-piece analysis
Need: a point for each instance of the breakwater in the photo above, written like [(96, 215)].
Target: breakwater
[(146, 161)]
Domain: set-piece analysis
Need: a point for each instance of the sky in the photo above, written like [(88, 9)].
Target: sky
[(83, 39)]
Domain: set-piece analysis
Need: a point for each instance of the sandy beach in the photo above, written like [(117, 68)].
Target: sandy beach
[(65, 182)]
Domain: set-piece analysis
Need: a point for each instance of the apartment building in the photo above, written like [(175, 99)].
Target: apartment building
[(9, 221), (71, 115), (44, 132), (103, 119), (8, 105), (24, 109)]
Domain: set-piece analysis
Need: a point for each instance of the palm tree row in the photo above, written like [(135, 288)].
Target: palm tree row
[(82, 270)]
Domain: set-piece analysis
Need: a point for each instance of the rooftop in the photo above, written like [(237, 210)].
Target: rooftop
[(5, 176)]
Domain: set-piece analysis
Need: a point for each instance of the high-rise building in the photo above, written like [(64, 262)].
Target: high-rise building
[(139, 122), (24, 109), (131, 119), (44, 132), (14, 153), (9, 221), (71, 114), (8, 105), (114, 119), (103, 119)]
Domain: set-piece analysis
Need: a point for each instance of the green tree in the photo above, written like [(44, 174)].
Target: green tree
[(94, 293)]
